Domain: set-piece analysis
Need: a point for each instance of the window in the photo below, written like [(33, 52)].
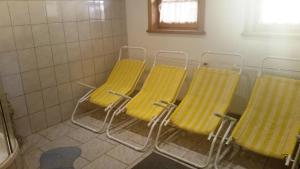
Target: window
[(176, 16), (274, 17)]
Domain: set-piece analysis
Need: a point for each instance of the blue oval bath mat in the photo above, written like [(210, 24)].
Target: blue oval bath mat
[(59, 158)]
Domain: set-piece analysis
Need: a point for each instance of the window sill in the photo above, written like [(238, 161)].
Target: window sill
[(271, 34), (169, 31)]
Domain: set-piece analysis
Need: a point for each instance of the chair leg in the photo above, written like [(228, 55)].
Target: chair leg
[(222, 143), (197, 165), (297, 157), (135, 147), (96, 130)]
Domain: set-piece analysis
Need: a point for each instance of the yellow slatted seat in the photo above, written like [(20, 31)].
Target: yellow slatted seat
[(271, 121), (163, 83), (210, 91), (122, 79)]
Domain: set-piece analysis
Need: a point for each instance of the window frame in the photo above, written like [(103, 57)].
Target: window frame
[(254, 28), (154, 26)]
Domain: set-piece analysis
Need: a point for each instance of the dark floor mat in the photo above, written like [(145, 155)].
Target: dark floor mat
[(59, 158), (157, 161)]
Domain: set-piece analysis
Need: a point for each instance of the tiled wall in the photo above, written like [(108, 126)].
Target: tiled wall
[(47, 46)]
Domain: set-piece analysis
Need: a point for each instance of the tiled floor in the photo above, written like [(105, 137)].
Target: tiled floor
[(98, 152)]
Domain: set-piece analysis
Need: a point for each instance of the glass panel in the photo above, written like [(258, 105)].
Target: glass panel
[(179, 11)]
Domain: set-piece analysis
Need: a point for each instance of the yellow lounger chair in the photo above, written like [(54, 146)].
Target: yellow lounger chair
[(122, 79), (271, 122), (210, 92), (162, 85)]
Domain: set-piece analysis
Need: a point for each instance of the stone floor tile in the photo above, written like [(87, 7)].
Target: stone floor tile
[(56, 131), (95, 148), (106, 162), (125, 154), (60, 142)]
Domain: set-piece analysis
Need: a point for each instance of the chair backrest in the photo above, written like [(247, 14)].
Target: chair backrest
[(164, 82), (125, 74), (210, 91), (272, 115), (216, 86)]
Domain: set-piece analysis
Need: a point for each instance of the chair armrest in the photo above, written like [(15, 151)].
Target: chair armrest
[(86, 85), (226, 117), (164, 104), (119, 94)]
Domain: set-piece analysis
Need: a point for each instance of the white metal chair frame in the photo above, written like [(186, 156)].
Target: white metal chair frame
[(227, 139), (168, 107), (213, 137), (107, 109)]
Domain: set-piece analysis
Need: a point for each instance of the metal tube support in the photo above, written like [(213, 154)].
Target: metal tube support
[(197, 165), (135, 147), (297, 156), (224, 139)]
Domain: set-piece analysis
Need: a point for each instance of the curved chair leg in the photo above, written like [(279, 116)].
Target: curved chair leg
[(222, 143), (197, 165), (297, 156), (95, 130), (135, 147)]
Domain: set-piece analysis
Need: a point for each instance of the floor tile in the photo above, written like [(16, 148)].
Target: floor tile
[(82, 135), (95, 148), (106, 162), (32, 142), (80, 163), (56, 131), (125, 154), (32, 159), (61, 142)]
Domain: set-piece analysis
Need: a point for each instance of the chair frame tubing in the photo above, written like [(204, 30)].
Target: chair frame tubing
[(85, 98), (214, 136), (151, 124)]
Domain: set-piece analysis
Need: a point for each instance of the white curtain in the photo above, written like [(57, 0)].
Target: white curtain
[(179, 11), (280, 12)]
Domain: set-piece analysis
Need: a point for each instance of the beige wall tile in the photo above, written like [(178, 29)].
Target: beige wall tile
[(34, 102), (62, 73), (6, 39), (38, 121), (76, 70), (78, 90), (100, 79), (60, 55), (44, 56), (97, 47), (22, 126), (50, 97), (27, 59), (73, 50), (71, 32), (90, 80), (54, 13), (82, 10), (99, 64), (88, 67), (96, 29), (84, 30), (95, 10), (23, 37), (47, 77), (53, 115), (37, 11), (19, 12), (69, 11), (66, 109), (56, 33), (4, 14), (9, 63), (41, 35), (19, 106), (107, 10), (108, 45), (117, 26), (107, 28), (65, 92), (12, 85), (86, 49), (31, 81)]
